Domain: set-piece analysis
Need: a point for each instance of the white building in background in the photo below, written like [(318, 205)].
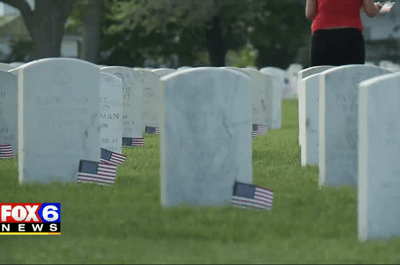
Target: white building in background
[(12, 26)]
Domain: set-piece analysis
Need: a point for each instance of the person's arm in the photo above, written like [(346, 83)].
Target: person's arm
[(370, 8), (311, 9)]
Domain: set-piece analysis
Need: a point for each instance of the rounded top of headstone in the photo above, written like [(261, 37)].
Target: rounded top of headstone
[(208, 70), (273, 70), (123, 73), (311, 77), (56, 60), (163, 71), (313, 70), (111, 79), (108, 75), (378, 79), (182, 68), (242, 70), (354, 67), (295, 66), (116, 67)]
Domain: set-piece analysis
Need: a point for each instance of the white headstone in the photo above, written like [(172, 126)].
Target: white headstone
[(293, 70), (205, 136), (15, 69), (369, 63), (150, 98), (9, 110), (163, 71), (282, 80), (6, 67), (252, 87), (338, 122), (132, 99), (378, 159), (310, 140), (58, 118), (267, 100), (301, 95), (111, 111), (252, 67)]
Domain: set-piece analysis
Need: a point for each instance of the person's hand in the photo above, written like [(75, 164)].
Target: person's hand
[(379, 5)]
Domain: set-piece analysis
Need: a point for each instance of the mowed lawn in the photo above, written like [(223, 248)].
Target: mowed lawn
[(127, 224)]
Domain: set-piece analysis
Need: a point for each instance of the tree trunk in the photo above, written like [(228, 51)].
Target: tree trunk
[(91, 25), (216, 43), (45, 24)]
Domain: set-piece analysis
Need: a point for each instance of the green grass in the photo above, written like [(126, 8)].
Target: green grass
[(127, 224)]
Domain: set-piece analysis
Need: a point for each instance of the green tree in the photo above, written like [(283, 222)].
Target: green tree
[(219, 25), (86, 19), (279, 31), (45, 24)]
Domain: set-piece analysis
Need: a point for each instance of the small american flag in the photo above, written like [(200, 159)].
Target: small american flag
[(96, 172), (112, 158), (6, 151), (251, 196), (132, 142), (253, 135), (152, 130), (260, 129)]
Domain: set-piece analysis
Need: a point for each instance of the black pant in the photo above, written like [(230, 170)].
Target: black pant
[(337, 47)]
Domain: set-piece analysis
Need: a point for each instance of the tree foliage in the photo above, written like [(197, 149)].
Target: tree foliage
[(280, 29), (198, 31), (214, 26), (45, 24)]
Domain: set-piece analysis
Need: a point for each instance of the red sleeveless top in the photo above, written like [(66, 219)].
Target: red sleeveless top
[(337, 13)]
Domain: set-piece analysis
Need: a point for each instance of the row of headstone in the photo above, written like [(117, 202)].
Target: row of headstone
[(293, 71), (348, 128), (267, 110), (65, 105), (59, 102)]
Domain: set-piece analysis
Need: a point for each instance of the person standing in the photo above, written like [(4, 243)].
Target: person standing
[(337, 30)]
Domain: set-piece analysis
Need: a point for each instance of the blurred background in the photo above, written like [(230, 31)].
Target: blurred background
[(174, 33)]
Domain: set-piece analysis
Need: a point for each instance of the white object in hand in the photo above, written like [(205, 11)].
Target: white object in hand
[(386, 7)]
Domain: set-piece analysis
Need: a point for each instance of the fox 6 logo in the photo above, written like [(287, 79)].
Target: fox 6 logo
[(30, 212)]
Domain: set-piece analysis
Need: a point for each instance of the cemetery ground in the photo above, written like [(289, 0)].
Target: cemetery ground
[(127, 224)]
